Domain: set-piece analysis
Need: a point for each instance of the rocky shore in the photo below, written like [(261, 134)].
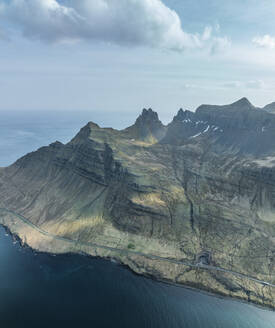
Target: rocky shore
[(223, 284)]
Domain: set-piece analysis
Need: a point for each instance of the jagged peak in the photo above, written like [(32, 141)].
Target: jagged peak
[(180, 111), (147, 126), (148, 115), (182, 115)]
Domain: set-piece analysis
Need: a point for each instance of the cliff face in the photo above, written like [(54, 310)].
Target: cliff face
[(201, 190)]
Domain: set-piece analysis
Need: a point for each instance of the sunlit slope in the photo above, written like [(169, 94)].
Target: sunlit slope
[(197, 190)]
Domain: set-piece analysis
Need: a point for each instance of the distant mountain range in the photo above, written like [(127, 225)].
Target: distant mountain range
[(200, 190)]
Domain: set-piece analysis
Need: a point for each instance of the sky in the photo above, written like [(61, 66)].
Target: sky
[(119, 56)]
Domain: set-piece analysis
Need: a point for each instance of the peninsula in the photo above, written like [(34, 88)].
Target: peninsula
[(191, 202)]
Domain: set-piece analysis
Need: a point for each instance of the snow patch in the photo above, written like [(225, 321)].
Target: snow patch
[(196, 135), (206, 129), (200, 122)]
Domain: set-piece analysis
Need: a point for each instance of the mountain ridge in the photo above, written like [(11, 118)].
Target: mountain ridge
[(270, 108), (199, 189)]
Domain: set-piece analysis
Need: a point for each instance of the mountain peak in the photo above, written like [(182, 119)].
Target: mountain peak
[(147, 126), (243, 102), (270, 108), (148, 115), (182, 115), (85, 132)]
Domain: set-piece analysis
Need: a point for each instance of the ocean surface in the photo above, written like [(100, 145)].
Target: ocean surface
[(42, 290), (23, 132)]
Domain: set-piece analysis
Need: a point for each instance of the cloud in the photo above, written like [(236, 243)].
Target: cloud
[(255, 84), (266, 41), (232, 84), (252, 84), (123, 22), (216, 44), (220, 45)]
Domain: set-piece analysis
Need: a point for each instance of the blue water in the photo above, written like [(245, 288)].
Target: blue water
[(22, 132), (40, 290)]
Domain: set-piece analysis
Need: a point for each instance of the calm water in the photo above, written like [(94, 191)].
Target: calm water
[(23, 132), (39, 290)]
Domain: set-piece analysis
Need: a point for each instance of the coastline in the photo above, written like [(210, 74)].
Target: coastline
[(138, 264)]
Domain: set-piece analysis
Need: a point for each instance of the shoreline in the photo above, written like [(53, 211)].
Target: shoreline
[(118, 262)]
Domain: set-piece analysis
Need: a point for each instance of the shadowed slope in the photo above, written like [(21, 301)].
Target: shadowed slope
[(207, 187)]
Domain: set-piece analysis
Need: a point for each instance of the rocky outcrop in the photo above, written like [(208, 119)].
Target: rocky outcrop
[(200, 190), (147, 127)]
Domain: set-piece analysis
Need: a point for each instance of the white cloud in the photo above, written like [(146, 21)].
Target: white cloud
[(255, 84), (232, 84), (266, 41), (124, 22), (220, 44), (252, 84)]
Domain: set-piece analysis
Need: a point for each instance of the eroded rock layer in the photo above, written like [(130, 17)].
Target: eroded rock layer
[(200, 191)]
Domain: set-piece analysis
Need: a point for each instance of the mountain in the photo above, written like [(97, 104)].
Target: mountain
[(191, 202), (147, 127), (238, 128), (270, 108)]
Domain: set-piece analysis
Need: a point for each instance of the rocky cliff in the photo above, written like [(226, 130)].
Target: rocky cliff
[(192, 202)]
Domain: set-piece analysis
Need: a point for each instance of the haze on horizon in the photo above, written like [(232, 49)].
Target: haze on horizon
[(123, 55)]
